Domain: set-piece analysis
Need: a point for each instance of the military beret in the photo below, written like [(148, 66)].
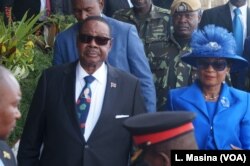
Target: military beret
[(185, 6), (152, 128)]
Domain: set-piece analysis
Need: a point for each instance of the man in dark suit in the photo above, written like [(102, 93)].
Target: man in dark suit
[(127, 51), (61, 7), (110, 6), (163, 3), (6, 9), (10, 97), (21, 6), (223, 16), (52, 119)]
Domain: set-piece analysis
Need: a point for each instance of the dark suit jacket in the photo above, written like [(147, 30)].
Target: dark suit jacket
[(221, 16), (6, 154), (110, 6), (52, 121), (127, 53), (246, 54), (166, 4), (247, 50), (21, 6)]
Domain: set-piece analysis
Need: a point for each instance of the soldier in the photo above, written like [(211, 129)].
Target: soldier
[(153, 27), (170, 71), (156, 134)]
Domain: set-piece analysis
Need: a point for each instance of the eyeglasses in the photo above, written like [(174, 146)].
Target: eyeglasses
[(218, 65), (100, 40)]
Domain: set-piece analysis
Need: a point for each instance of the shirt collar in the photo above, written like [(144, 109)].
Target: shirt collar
[(99, 74), (243, 8)]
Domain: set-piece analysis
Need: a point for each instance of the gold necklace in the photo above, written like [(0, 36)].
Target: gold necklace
[(211, 98)]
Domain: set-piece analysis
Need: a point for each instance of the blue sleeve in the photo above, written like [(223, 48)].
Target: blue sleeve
[(57, 57), (139, 67), (245, 127), (65, 49)]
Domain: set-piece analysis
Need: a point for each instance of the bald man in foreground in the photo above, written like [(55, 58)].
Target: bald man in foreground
[(9, 112)]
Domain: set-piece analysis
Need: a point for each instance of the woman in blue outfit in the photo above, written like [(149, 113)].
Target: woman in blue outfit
[(222, 112)]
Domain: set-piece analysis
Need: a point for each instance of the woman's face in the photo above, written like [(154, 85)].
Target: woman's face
[(212, 71)]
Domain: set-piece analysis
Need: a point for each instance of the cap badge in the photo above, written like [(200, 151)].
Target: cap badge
[(182, 8)]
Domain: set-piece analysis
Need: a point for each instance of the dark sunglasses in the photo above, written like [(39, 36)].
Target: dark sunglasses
[(218, 65), (98, 39)]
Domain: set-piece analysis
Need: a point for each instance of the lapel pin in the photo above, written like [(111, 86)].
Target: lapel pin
[(6, 155), (225, 102), (113, 85)]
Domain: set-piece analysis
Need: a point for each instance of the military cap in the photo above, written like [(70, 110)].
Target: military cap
[(185, 6), (152, 128)]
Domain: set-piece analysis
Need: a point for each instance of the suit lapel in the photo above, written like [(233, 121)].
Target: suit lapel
[(193, 95), (69, 96), (226, 17), (108, 102), (125, 3), (248, 21), (226, 100)]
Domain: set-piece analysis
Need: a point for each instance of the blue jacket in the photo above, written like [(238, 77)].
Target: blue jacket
[(231, 123), (127, 54)]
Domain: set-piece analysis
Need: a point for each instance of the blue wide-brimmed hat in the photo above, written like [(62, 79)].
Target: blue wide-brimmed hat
[(214, 42)]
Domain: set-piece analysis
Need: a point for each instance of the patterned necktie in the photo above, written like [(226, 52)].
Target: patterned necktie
[(238, 31), (48, 7), (83, 102)]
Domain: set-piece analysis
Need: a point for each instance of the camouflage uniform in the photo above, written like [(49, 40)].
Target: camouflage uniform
[(168, 70), (161, 50)]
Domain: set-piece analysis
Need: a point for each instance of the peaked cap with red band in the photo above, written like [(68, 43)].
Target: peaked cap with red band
[(152, 128)]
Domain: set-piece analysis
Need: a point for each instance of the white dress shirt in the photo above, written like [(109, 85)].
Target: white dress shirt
[(243, 17), (1, 163), (130, 4), (98, 87)]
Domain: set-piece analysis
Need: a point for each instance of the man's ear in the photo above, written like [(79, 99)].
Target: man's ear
[(199, 16), (101, 4), (166, 160), (110, 44)]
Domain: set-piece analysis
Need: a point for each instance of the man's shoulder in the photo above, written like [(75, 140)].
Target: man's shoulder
[(69, 31), (125, 15), (216, 9), (123, 12), (121, 74), (160, 10), (58, 70), (118, 24), (3, 144)]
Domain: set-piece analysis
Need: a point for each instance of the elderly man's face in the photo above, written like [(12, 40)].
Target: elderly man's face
[(84, 8), (94, 43), (238, 3), (185, 23), (9, 111)]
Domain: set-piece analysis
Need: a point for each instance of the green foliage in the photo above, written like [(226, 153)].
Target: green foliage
[(16, 45), (33, 57), (62, 21), (28, 86)]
